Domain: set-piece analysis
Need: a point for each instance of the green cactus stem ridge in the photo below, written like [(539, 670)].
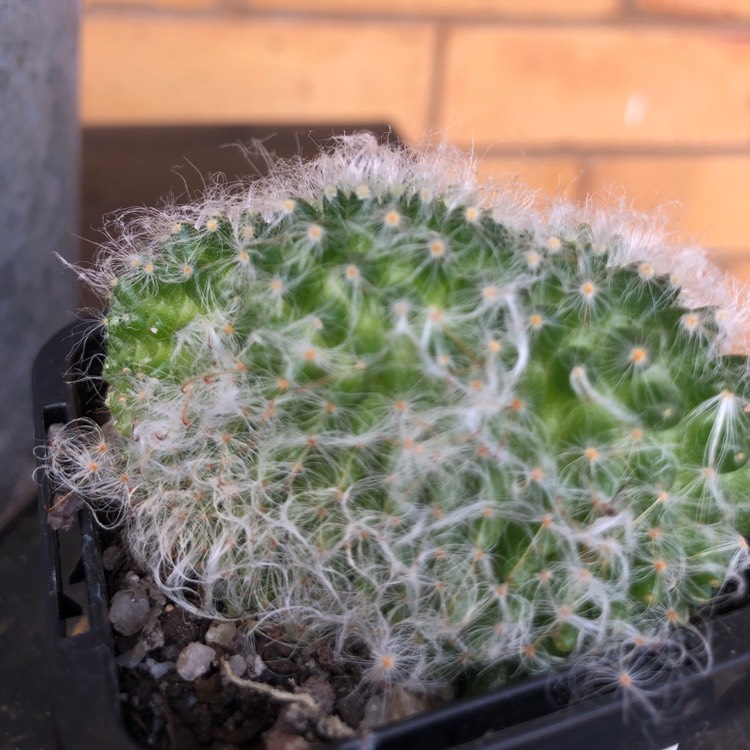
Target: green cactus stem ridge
[(367, 398)]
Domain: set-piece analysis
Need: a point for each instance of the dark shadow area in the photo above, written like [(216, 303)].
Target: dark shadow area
[(24, 714)]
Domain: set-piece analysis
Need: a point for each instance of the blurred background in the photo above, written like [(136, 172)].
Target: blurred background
[(648, 99), (645, 102)]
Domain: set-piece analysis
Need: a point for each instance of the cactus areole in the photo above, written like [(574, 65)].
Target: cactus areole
[(368, 400)]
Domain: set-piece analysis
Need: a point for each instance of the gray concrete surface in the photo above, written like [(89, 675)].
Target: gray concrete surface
[(39, 168)]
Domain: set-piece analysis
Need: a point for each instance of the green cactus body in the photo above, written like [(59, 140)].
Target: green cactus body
[(375, 407)]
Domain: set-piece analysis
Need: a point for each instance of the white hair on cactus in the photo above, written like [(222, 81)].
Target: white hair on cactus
[(448, 424)]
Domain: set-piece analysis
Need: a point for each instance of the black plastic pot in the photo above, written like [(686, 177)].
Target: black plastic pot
[(703, 710)]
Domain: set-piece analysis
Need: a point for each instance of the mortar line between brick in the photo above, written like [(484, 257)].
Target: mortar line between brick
[(729, 253), (152, 12), (620, 19), (437, 78), (521, 151), (583, 186)]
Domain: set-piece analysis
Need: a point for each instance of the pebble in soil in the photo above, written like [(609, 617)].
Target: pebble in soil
[(176, 692)]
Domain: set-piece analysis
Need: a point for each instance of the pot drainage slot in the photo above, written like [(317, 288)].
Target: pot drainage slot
[(73, 594), (64, 518), (55, 417)]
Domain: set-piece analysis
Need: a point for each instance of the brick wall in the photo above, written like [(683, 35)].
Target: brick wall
[(644, 98)]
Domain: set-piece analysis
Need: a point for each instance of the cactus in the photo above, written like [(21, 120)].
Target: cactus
[(369, 400)]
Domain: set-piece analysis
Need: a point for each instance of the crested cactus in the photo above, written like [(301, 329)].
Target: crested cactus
[(368, 400)]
